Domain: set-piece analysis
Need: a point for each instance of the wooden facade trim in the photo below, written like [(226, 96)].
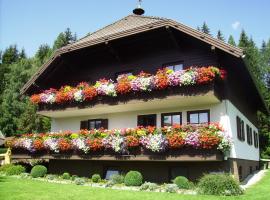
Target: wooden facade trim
[(186, 156)]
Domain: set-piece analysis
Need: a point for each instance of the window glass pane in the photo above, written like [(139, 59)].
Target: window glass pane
[(167, 121), (203, 117), (91, 124), (98, 124), (111, 172), (171, 67), (147, 120), (193, 118), (178, 67), (176, 119)]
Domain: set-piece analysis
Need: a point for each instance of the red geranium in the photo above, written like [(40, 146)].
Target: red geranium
[(161, 79), (123, 85), (38, 144), (132, 141), (35, 98), (208, 141), (89, 92), (205, 75), (175, 141), (94, 144), (64, 145)]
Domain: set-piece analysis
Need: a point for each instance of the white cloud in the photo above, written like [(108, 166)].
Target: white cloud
[(235, 25)]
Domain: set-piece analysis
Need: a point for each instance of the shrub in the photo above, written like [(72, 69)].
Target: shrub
[(66, 176), (96, 178), (219, 184), (117, 179), (79, 181), (149, 186), (14, 170), (73, 177), (133, 178), (171, 188), (3, 168), (182, 182), (38, 171)]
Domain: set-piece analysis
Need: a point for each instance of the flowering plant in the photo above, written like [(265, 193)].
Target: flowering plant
[(124, 84), (202, 136)]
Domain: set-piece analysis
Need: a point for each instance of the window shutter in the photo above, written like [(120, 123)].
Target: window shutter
[(84, 125), (104, 123)]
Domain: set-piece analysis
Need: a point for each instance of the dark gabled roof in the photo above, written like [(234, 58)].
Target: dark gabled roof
[(130, 25)]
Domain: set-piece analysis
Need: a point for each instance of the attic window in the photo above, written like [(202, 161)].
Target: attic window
[(175, 66)]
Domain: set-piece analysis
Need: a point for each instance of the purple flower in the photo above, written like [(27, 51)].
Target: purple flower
[(192, 139)]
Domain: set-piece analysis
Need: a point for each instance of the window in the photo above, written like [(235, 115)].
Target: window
[(256, 141), (198, 117), (240, 173), (128, 72), (249, 134), (94, 124), (147, 120), (170, 119), (109, 171), (175, 66), (240, 129), (250, 169)]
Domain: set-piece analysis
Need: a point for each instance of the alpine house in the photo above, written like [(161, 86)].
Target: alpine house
[(147, 94)]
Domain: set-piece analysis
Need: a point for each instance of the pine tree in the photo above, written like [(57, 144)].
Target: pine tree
[(231, 41), (22, 54), (220, 36), (63, 39), (244, 40), (205, 28), (43, 53), (10, 55)]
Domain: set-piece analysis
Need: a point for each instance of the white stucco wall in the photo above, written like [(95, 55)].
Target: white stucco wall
[(225, 113)]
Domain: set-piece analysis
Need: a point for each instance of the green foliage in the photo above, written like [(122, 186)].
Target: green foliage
[(73, 177), (66, 176), (117, 179), (133, 178), (3, 150), (10, 55), (182, 182), (96, 178), (219, 184), (149, 186), (220, 36), (231, 41), (63, 39), (38, 171), (43, 53), (10, 169), (205, 28)]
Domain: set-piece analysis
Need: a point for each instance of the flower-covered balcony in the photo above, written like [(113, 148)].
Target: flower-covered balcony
[(167, 88), (203, 142)]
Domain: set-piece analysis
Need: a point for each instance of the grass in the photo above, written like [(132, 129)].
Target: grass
[(17, 189)]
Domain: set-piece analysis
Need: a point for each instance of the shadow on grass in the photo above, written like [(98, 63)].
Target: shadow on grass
[(2, 179)]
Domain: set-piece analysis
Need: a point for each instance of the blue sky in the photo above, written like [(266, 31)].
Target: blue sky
[(29, 23)]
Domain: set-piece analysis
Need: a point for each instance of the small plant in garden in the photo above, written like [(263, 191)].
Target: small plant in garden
[(219, 184), (182, 182), (14, 170), (79, 181), (117, 179), (66, 176), (171, 188), (149, 186), (24, 175), (38, 171), (133, 178), (51, 176), (96, 178), (73, 177)]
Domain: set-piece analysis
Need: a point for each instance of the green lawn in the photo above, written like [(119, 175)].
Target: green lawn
[(23, 189)]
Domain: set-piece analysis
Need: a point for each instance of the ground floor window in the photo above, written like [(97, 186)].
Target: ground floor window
[(198, 116), (111, 171), (94, 124), (170, 119), (147, 120)]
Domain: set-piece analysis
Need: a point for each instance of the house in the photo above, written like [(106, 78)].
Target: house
[(139, 43)]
